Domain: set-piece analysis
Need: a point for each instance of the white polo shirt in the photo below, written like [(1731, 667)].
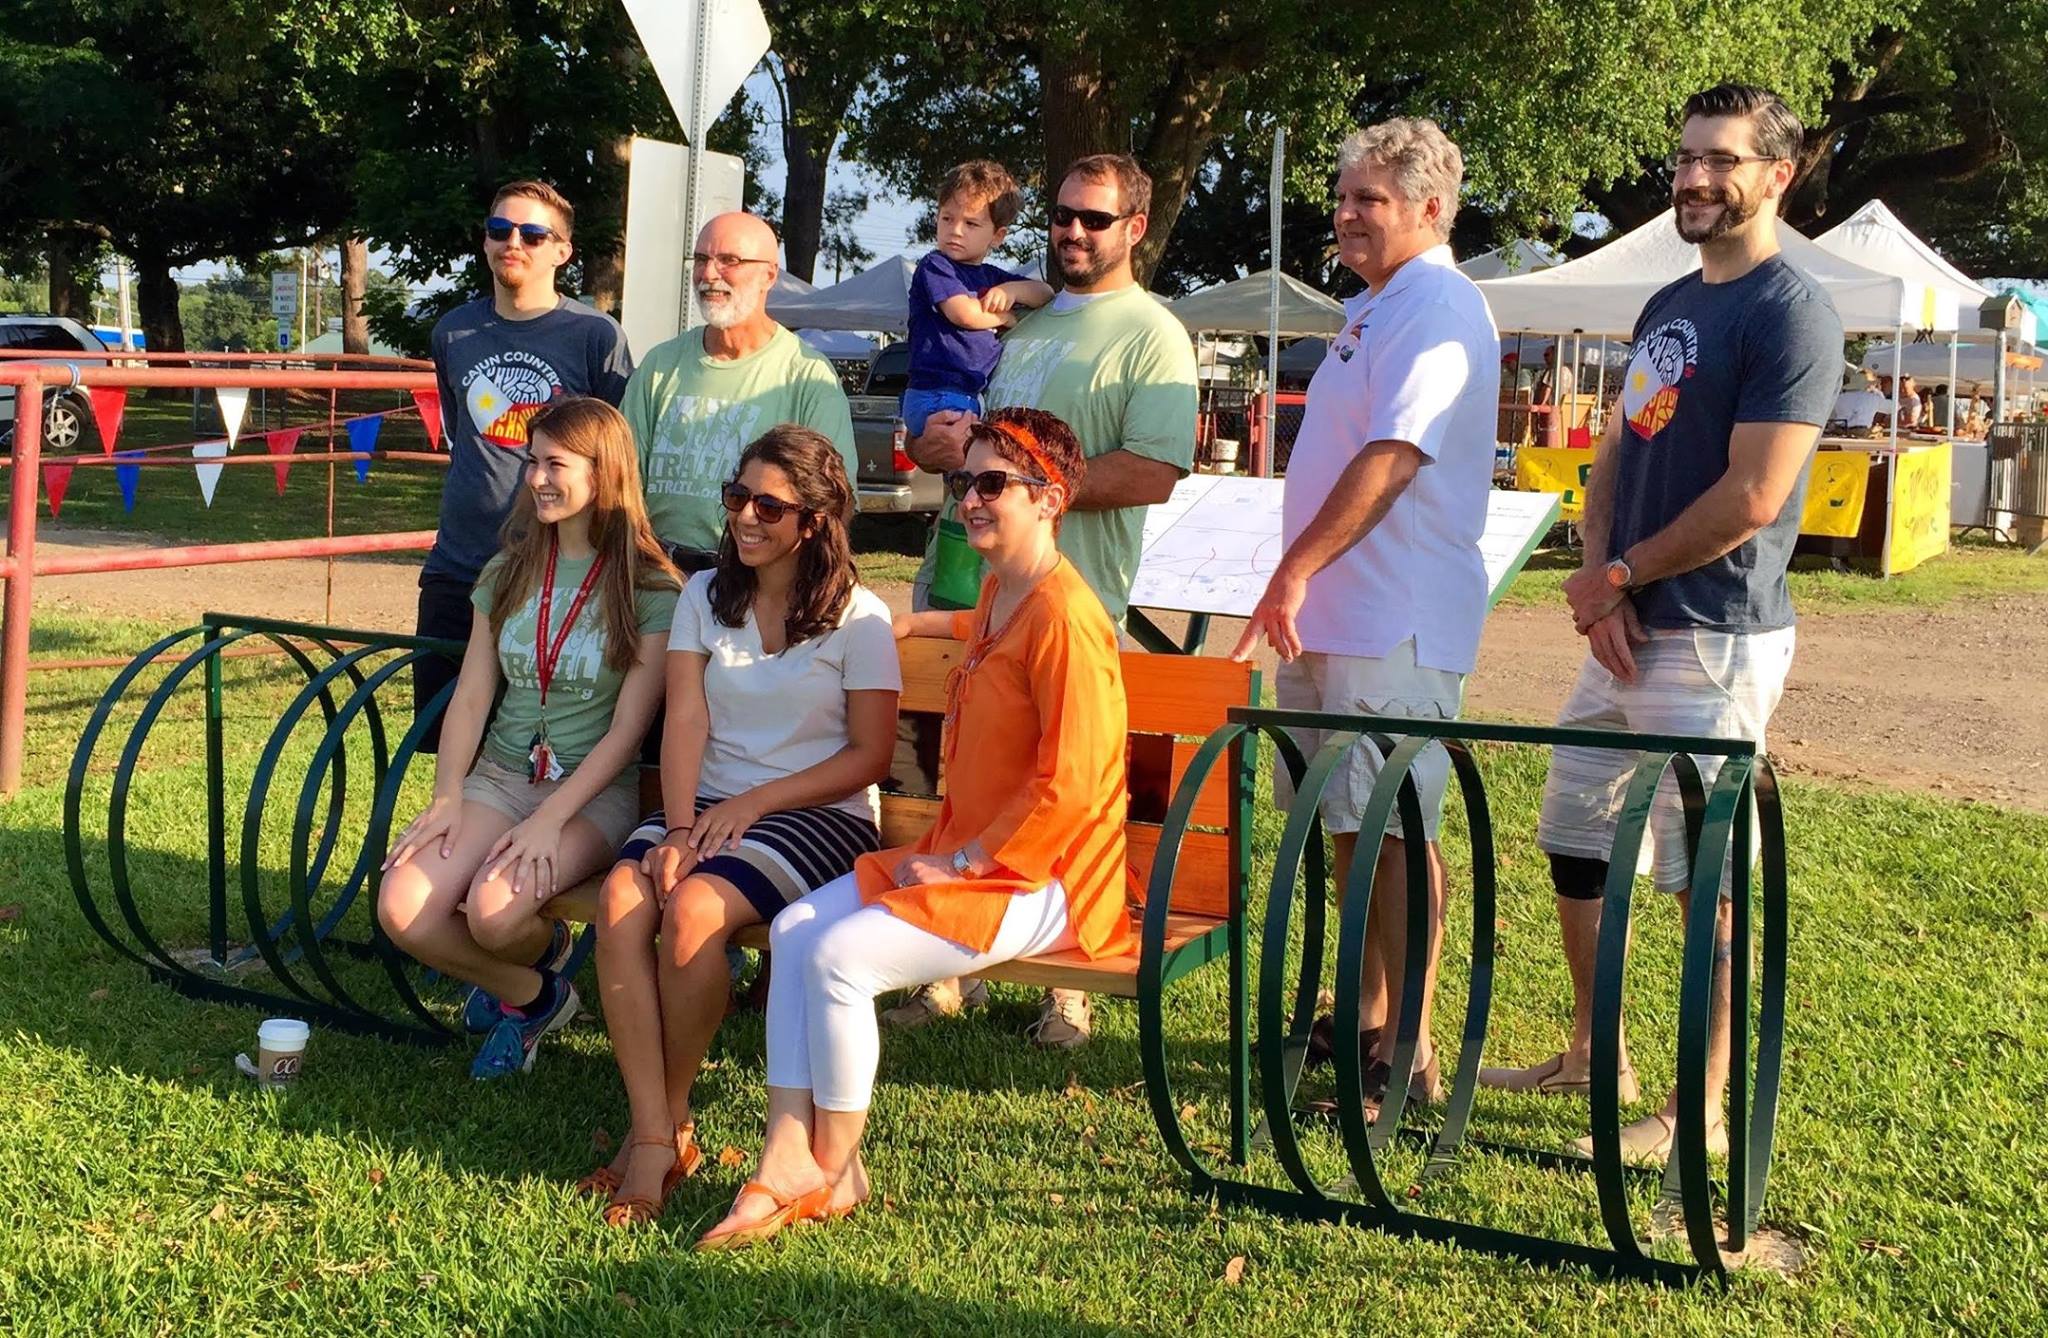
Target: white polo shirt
[(1418, 361)]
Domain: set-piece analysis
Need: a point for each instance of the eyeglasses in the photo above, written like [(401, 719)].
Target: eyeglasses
[(1720, 164), (770, 510), (725, 260), (988, 484), (1095, 220), (501, 230)]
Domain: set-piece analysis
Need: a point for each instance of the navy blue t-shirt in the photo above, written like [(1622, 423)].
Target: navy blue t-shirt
[(942, 355), (1765, 348)]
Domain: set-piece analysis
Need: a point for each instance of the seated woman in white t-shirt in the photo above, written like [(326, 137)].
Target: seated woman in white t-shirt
[(782, 690)]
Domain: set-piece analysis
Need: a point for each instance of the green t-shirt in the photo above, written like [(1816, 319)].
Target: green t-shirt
[(1119, 370), (583, 690), (692, 415)]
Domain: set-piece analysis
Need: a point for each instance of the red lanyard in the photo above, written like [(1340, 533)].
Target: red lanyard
[(547, 656)]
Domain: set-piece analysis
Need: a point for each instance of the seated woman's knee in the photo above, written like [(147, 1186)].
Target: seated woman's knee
[(625, 900), (402, 904), (498, 923), (841, 962), (697, 917)]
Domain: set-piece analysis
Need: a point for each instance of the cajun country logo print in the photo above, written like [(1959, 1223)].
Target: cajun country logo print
[(1664, 359), (504, 391)]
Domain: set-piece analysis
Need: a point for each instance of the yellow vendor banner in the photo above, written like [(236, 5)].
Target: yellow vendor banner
[(1834, 496), (1920, 505)]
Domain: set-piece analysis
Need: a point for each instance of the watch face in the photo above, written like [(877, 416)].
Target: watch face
[(1617, 574)]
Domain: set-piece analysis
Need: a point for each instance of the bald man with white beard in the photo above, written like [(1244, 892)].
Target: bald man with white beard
[(698, 399)]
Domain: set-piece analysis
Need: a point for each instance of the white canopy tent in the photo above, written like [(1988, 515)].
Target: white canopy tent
[(874, 299), (1874, 238), (1517, 257), (838, 343), (1243, 306), (789, 285), (1603, 293)]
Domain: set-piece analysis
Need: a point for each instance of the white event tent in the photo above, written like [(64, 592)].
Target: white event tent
[(874, 299), (1874, 238), (1603, 293), (1243, 306), (1517, 257)]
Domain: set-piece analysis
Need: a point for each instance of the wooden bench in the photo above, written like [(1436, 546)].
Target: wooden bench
[(1175, 701)]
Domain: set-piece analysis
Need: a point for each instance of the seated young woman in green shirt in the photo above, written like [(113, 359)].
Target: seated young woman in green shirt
[(576, 610)]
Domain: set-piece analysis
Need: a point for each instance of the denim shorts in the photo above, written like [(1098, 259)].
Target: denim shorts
[(918, 405)]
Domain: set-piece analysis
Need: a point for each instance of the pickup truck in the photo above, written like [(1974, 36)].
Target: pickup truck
[(888, 481)]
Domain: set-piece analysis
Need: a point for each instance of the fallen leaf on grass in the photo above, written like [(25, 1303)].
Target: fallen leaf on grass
[(11, 911), (888, 1204), (2037, 914), (293, 1285), (98, 994), (1088, 1137), (1873, 1246), (731, 1156), (376, 1175), (625, 1300), (1233, 1272), (1057, 1199), (600, 1140), (219, 1213), (1187, 1112)]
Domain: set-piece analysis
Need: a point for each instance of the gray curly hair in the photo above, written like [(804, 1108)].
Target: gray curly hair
[(1425, 163)]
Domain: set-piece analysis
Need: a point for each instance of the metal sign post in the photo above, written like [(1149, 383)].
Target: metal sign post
[(1273, 312)]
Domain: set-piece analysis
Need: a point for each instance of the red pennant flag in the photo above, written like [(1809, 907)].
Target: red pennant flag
[(282, 443), (56, 481), (108, 404), (430, 415)]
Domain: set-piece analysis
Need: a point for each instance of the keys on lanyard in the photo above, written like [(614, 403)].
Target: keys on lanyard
[(542, 763)]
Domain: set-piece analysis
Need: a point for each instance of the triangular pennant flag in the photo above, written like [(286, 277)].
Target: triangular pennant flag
[(108, 404), (362, 439), (209, 475), (56, 480), (234, 403), (128, 476), (430, 415), (281, 444)]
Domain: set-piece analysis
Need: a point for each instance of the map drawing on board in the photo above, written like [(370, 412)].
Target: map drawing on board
[(1211, 547)]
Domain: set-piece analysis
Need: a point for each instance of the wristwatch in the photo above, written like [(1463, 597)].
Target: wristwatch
[(1619, 574), (961, 864)]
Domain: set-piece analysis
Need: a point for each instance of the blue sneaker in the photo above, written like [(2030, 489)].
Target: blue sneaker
[(513, 1043), (480, 1011)]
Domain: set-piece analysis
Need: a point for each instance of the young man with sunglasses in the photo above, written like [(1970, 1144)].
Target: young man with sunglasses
[(1691, 513), (1107, 358), (497, 361), (698, 399)]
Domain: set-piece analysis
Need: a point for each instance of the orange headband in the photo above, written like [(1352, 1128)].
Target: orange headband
[(1022, 438)]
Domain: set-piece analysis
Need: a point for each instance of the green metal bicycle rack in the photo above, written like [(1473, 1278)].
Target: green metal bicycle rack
[(298, 945), (1717, 820)]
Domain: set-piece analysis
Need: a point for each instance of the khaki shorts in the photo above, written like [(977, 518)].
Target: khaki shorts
[(615, 811), (1389, 685)]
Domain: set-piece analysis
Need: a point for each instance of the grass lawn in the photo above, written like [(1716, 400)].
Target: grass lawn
[(145, 1188), (1972, 569)]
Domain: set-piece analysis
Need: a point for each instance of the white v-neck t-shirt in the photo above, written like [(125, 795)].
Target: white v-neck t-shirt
[(775, 715)]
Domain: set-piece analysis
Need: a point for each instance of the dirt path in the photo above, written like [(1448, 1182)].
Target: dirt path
[(1952, 700)]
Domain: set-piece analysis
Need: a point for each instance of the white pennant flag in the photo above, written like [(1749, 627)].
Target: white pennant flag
[(209, 475), (234, 402)]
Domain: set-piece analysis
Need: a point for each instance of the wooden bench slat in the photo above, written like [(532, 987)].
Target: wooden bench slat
[(1174, 694)]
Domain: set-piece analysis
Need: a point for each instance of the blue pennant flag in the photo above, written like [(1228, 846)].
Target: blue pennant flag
[(128, 476), (362, 439)]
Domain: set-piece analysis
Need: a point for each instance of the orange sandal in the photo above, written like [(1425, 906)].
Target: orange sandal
[(603, 1182), (802, 1208), (636, 1210)]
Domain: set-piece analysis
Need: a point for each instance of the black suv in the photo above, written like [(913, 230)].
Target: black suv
[(67, 413)]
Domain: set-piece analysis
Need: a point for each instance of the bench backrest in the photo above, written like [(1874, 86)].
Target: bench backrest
[(1174, 701)]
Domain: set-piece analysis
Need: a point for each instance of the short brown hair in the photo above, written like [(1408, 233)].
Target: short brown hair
[(542, 192), (981, 181), (1133, 186), (1773, 126), (1006, 431)]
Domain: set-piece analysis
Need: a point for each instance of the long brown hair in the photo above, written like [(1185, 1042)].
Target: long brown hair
[(619, 530), (825, 573)]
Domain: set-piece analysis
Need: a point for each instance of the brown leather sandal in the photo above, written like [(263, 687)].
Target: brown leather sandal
[(603, 1182), (637, 1210), (810, 1207)]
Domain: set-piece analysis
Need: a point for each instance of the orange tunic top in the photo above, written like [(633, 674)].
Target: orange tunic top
[(1034, 762)]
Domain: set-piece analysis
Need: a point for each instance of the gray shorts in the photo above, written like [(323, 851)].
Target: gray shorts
[(614, 811)]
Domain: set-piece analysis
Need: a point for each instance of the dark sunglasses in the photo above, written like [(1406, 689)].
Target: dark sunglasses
[(735, 496), (501, 230), (988, 484), (1095, 220)]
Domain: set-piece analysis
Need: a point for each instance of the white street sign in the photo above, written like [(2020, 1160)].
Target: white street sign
[(284, 293), (734, 35)]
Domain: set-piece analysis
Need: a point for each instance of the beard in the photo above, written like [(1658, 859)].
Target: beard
[(1084, 264), (739, 306), (1735, 211)]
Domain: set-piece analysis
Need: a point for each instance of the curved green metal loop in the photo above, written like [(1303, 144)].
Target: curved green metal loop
[(316, 689), (1750, 1162), (302, 882), (1394, 788), (1152, 948), (1302, 835), (74, 788), (1610, 964), (378, 837), (1479, 996)]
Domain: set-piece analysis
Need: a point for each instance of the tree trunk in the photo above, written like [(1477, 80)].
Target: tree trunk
[(355, 277), (157, 299), (1183, 129), (1077, 107), (604, 270), (813, 109), (67, 296)]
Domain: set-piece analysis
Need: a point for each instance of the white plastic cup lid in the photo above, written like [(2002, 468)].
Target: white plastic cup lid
[(283, 1033)]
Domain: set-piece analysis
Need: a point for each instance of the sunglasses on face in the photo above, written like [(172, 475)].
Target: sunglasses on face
[(768, 510), (987, 485), (1095, 220), (501, 230)]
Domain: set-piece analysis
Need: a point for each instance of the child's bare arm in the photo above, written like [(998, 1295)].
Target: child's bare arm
[(1016, 293), (933, 623), (965, 311)]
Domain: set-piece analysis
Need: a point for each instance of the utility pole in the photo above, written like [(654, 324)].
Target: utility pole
[(121, 283), (302, 298)]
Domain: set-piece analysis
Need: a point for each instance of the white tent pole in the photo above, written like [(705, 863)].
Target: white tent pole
[(1949, 428), (1273, 312), (1599, 394), (1891, 473)]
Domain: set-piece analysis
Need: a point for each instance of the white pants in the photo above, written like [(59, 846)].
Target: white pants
[(834, 955)]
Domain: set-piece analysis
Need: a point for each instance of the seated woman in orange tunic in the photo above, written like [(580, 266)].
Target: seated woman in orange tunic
[(1027, 855)]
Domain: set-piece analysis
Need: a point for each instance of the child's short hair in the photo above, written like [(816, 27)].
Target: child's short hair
[(984, 182)]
